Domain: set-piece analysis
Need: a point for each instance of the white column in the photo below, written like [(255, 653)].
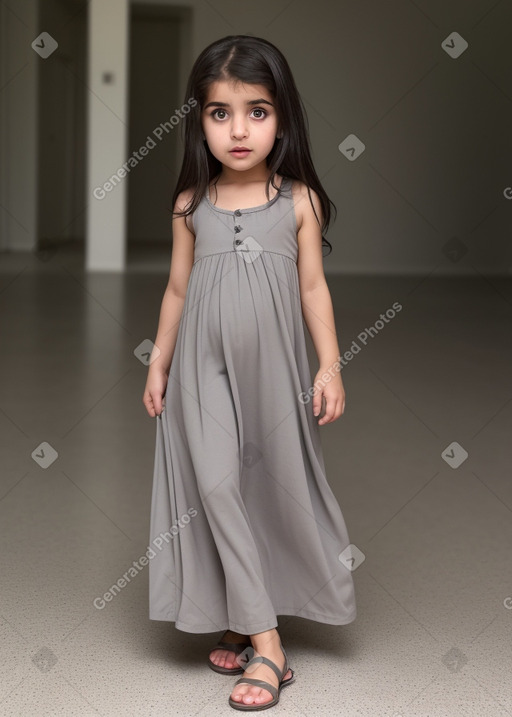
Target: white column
[(107, 135)]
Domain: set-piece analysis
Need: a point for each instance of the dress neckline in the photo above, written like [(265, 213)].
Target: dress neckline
[(259, 207)]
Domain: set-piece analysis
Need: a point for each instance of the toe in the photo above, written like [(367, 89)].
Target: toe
[(233, 659), (222, 658), (239, 692), (218, 657), (260, 695), (248, 697)]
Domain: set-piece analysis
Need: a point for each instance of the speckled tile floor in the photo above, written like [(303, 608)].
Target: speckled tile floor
[(433, 635)]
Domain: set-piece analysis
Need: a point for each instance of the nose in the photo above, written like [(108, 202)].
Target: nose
[(238, 126)]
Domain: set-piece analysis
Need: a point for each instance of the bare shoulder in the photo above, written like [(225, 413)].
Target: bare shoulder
[(183, 201), (302, 202)]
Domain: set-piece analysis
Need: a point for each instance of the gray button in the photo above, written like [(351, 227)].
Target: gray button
[(238, 213)]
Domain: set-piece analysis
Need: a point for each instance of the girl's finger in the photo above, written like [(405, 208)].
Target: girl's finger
[(317, 404), (332, 405), (321, 406), (329, 411)]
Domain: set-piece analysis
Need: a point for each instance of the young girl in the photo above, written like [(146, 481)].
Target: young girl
[(244, 525)]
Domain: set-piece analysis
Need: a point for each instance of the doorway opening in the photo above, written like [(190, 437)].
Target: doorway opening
[(160, 51)]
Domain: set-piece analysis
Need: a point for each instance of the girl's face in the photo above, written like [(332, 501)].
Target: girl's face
[(238, 115)]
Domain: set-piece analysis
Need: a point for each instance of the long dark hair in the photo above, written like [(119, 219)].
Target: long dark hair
[(251, 60)]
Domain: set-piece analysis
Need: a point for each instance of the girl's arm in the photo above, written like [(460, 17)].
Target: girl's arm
[(317, 308), (171, 309)]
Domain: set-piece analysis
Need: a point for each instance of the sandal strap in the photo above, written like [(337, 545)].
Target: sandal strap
[(279, 673), (236, 647), (259, 683)]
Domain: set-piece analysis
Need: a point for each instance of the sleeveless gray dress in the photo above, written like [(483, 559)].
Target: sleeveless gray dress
[(244, 525)]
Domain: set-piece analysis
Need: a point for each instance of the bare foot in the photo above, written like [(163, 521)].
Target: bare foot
[(266, 644), (227, 658)]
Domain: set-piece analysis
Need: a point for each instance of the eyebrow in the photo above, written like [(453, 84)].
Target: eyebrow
[(261, 101)]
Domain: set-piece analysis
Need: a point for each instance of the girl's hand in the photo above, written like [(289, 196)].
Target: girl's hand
[(154, 391), (334, 395)]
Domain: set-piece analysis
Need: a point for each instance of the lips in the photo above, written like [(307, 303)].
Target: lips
[(240, 153), (240, 149)]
